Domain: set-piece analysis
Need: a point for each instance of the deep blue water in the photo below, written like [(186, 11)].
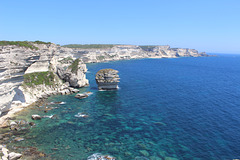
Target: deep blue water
[(187, 108)]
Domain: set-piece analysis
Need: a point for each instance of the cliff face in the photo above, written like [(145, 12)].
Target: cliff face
[(18, 61), (122, 52), (53, 59), (74, 74)]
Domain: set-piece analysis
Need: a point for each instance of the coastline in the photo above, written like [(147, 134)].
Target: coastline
[(49, 62), (13, 111)]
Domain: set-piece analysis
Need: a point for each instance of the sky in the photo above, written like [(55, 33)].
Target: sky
[(206, 25)]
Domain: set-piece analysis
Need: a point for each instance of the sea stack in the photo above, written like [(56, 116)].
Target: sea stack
[(107, 79)]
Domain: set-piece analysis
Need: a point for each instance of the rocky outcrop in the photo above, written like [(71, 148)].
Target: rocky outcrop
[(17, 61), (77, 77), (9, 155), (107, 79)]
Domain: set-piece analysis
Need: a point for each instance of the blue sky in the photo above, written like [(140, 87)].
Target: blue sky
[(206, 25)]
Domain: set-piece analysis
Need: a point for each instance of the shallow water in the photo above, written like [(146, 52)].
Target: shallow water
[(187, 108)]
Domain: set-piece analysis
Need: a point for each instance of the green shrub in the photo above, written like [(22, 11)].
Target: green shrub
[(25, 44), (74, 66), (38, 78), (89, 46), (41, 42)]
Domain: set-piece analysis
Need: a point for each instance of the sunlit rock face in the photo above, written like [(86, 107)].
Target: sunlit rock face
[(107, 79)]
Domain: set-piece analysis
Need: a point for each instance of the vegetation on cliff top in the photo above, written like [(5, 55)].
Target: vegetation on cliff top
[(26, 44), (74, 66), (89, 46), (38, 78)]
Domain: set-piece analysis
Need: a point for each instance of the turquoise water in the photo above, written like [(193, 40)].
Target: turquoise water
[(187, 108)]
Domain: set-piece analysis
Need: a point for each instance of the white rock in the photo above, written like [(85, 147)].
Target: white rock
[(5, 151), (13, 123), (4, 158), (14, 156)]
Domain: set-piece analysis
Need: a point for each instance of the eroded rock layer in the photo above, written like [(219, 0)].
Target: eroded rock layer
[(107, 79)]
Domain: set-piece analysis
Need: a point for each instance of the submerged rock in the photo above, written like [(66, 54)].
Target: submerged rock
[(99, 156), (81, 115), (32, 124), (144, 153), (170, 158), (83, 95), (51, 116), (107, 79), (141, 158), (36, 117), (18, 139)]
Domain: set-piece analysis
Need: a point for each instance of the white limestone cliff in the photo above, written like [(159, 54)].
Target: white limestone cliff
[(17, 61)]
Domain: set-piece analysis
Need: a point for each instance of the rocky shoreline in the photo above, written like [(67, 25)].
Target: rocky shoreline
[(28, 76), (17, 62)]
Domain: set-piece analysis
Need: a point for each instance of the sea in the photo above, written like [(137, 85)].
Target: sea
[(169, 109)]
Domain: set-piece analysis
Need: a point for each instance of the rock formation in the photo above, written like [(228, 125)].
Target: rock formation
[(9, 155), (107, 79), (75, 75), (17, 62)]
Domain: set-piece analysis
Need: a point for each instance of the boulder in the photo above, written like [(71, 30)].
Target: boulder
[(5, 124), (107, 79), (5, 151), (13, 123), (14, 156), (99, 156), (18, 139), (4, 158), (36, 117), (83, 95), (13, 126), (32, 124)]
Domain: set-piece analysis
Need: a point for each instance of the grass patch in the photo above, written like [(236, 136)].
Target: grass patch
[(74, 66), (38, 78), (41, 42), (26, 44)]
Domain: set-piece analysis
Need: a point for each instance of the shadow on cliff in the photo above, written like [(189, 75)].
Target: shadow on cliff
[(19, 96)]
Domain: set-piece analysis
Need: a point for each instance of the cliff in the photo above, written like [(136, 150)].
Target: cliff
[(24, 65), (28, 74), (121, 52)]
